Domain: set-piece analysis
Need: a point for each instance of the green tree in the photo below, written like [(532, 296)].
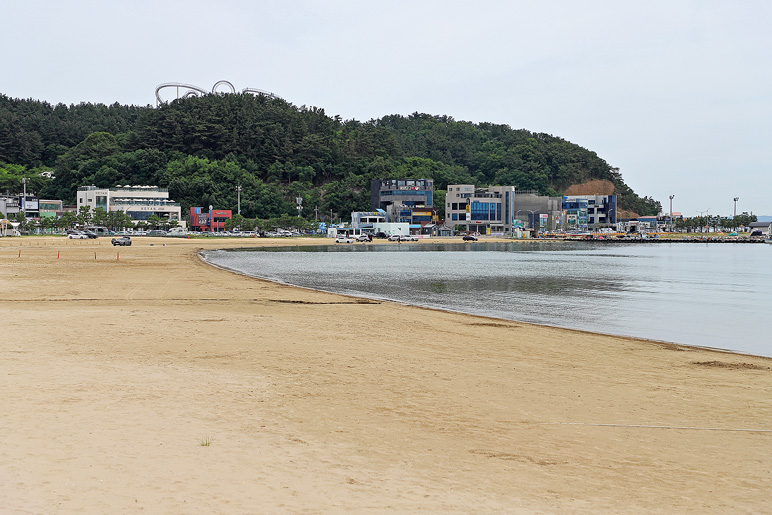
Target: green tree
[(100, 217), (68, 220), (84, 215), (154, 221)]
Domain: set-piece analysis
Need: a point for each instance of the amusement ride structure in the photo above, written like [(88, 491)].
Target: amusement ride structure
[(195, 91)]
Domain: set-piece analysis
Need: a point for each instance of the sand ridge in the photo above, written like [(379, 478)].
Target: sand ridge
[(117, 369)]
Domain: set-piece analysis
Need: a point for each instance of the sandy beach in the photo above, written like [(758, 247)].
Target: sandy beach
[(140, 379)]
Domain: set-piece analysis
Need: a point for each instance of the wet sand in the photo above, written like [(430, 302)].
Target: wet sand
[(118, 370)]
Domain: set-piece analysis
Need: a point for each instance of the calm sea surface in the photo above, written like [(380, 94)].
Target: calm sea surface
[(704, 294)]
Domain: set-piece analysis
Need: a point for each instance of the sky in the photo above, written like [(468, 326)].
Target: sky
[(676, 93)]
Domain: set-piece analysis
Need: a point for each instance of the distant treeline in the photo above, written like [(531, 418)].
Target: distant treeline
[(201, 148)]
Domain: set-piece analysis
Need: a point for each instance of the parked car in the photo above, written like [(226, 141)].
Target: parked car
[(343, 239), (394, 237), (470, 237), (380, 234), (77, 236), (123, 241), (364, 238), (91, 235)]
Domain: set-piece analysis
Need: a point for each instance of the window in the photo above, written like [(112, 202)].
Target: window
[(454, 217), (480, 211)]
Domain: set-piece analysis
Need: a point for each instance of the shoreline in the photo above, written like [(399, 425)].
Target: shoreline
[(314, 404), (674, 345)]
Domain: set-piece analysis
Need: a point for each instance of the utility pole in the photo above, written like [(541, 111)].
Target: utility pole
[(707, 216), (24, 196), (316, 213), (238, 192)]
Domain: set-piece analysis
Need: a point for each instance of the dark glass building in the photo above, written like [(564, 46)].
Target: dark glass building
[(406, 192)]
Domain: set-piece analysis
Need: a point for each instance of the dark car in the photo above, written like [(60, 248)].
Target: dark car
[(470, 237), (91, 235), (123, 241)]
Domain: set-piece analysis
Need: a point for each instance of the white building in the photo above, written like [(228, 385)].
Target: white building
[(139, 202), (9, 206)]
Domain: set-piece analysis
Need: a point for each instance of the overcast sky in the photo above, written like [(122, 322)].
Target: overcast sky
[(676, 94)]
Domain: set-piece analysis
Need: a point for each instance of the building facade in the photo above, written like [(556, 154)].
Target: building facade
[(211, 221), (29, 205), (406, 192), (582, 212), (500, 209), (536, 212), (51, 208), (481, 210), (139, 202), (365, 220), (9, 206)]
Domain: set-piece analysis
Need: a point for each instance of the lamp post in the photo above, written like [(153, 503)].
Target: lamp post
[(238, 192), (671, 212)]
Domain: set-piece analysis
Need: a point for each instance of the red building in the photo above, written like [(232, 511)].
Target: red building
[(213, 221)]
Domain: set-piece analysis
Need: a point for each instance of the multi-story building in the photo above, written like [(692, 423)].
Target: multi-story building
[(538, 212), (486, 210), (582, 212), (9, 206), (212, 221), (365, 220), (406, 192), (50, 208), (139, 202), (28, 204), (499, 209)]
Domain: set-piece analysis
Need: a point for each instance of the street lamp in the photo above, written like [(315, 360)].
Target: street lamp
[(238, 192)]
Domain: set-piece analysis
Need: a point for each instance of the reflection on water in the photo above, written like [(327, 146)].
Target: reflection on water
[(712, 295)]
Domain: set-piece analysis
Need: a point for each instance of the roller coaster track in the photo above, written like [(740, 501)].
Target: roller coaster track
[(194, 91)]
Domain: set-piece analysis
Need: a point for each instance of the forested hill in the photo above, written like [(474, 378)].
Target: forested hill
[(201, 148)]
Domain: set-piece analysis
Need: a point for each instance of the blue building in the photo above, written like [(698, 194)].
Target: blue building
[(582, 212)]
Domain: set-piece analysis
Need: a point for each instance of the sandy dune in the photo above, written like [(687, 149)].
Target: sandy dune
[(115, 370)]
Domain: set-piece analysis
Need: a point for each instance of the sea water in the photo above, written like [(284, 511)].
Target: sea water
[(703, 294)]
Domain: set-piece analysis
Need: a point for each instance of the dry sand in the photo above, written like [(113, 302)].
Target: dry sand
[(115, 371)]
